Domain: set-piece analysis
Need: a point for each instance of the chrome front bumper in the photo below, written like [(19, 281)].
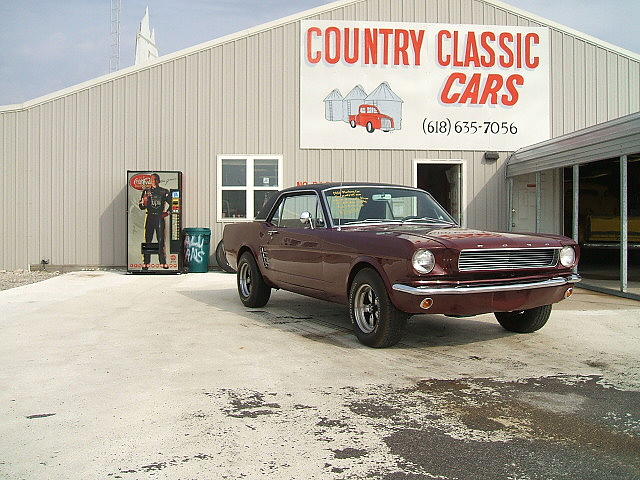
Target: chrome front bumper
[(460, 290)]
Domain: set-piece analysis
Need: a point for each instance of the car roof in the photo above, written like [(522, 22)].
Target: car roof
[(326, 185)]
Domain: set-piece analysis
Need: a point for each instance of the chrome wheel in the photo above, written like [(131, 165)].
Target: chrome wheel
[(244, 276), (366, 308)]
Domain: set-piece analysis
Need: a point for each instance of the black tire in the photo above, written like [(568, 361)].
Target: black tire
[(353, 123), (221, 258), (524, 321), (253, 290), (370, 128), (387, 328)]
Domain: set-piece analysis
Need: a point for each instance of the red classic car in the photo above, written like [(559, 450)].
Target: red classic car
[(391, 251), (369, 116)]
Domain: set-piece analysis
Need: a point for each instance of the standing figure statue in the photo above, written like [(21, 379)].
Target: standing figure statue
[(156, 202)]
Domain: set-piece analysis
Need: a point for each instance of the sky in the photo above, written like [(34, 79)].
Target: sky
[(48, 45)]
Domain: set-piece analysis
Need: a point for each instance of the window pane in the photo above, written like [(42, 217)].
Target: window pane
[(234, 172), (382, 204), (265, 173), (234, 204), (259, 199), (294, 206), (275, 219)]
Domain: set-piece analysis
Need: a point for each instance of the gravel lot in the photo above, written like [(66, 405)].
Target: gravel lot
[(113, 376), (17, 278)]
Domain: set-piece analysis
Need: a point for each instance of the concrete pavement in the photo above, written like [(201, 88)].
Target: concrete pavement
[(106, 375)]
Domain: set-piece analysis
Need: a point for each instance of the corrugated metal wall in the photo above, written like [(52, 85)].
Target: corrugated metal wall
[(63, 161)]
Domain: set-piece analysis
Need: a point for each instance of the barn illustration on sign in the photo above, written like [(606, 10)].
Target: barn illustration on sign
[(380, 110)]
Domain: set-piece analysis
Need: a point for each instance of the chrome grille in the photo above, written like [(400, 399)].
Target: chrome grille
[(386, 123), (507, 258)]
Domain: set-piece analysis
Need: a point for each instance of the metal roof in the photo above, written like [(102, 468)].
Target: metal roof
[(291, 19), (611, 139), (356, 93), (334, 95), (383, 92)]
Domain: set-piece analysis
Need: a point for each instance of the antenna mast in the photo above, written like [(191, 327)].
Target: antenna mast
[(114, 61)]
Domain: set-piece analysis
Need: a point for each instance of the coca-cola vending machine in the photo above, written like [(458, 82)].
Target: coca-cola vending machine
[(154, 222)]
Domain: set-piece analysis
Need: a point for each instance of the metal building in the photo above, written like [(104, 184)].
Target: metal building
[(352, 101), (233, 115), (333, 106), (388, 102)]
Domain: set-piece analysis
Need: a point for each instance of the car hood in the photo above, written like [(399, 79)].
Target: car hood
[(463, 238)]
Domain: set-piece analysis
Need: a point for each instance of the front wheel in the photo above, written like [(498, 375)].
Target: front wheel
[(524, 321), (376, 321), (253, 290), (370, 128)]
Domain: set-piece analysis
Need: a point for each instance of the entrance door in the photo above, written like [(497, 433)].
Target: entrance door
[(444, 180), (524, 203), (523, 216)]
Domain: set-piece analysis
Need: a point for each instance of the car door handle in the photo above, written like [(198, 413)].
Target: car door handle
[(272, 232)]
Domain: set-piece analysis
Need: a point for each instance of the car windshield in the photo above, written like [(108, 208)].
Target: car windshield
[(363, 204)]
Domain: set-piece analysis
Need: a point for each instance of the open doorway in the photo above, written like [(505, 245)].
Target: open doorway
[(599, 221), (444, 179)]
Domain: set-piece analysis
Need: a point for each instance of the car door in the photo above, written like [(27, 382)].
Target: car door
[(295, 250)]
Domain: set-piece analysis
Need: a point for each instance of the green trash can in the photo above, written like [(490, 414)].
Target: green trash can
[(197, 245)]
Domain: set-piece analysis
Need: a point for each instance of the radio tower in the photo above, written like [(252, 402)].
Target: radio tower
[(114, 61)]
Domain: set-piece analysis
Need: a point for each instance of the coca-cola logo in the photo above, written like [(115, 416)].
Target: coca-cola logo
[(141, 181)]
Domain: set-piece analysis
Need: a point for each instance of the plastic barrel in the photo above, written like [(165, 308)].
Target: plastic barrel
[(197, 245)]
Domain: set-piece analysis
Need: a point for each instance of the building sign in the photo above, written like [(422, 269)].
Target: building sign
[(414, 86)]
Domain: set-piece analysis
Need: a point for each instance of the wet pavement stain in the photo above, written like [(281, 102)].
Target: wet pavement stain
[(552, 427), (39, 415), (560, 427), (333, 423), (349, 453), (154, 467), (246, 404), (596, 364)]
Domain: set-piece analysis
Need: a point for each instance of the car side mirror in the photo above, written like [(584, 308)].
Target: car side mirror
[(305, 217)]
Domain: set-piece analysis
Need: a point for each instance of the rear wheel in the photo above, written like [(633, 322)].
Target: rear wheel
[(221, 258), (253, 290), (376, 321), (524, 321), (352, 123)]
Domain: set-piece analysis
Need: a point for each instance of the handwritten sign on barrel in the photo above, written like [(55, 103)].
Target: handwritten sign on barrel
[(197, 243)]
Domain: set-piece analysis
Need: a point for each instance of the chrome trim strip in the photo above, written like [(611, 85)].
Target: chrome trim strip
[(552, 282), (509, 248)]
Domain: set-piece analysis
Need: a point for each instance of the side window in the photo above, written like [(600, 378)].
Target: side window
[(293, 206), (275, 218)]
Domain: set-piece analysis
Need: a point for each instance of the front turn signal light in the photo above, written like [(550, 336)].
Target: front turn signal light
[(426, 303)]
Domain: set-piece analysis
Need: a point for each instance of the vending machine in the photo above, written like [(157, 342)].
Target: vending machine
[(154, 222)]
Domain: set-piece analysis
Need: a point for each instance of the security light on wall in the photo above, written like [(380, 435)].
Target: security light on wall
[(491, 156)]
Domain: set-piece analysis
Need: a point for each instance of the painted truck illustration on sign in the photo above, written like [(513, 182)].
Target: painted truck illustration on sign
[(379, 110), (369, 117)]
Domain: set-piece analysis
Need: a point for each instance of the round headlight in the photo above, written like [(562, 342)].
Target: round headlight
[(424, 261), (567, 256)]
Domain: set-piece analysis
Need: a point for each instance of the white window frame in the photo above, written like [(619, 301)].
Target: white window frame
[(248, 188), (463, 164)]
